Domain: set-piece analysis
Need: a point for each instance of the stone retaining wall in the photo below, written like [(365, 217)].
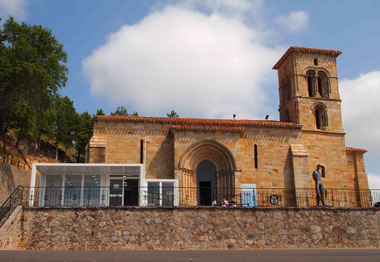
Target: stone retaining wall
[(10, 178), (10, 232), (198, 228)]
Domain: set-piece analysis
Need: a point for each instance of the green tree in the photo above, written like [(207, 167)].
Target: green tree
[(172, 114), (83, 133), (21, 119), (120, 111), (31, 72), (100, 112), (45, 122), (65, 125)]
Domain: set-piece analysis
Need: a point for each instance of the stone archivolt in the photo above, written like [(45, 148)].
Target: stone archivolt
[(210, 150)]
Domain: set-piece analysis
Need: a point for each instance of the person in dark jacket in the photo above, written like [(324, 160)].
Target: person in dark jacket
[(319, 185)]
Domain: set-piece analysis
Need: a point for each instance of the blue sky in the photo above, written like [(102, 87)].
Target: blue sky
[(229, 48)]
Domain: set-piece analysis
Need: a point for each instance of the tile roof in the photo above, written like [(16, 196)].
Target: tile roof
[(209, 129), (198, 121), (305, 50), (358, 150)]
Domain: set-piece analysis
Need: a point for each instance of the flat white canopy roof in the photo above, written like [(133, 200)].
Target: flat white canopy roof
[(90, 169)]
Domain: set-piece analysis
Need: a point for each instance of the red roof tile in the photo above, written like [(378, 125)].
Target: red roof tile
[(305, 50), (198, 121), (209, 129), (358, 150)]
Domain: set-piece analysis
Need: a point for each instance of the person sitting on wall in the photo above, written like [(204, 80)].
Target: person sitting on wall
[(224, 202), (233, 204), (319, 185), (214, 203)]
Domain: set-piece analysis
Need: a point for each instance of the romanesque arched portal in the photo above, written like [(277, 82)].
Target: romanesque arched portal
[(224, 163)]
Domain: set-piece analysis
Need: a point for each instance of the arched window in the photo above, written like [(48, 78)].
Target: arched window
[(321, 120), (323, 84), (310, 76), (286, 91)]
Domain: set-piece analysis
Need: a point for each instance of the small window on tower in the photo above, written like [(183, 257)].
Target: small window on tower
[(315, 61)]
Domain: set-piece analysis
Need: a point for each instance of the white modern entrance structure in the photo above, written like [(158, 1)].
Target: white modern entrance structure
[(99, 185)]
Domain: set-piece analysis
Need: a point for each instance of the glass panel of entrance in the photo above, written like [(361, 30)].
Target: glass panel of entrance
[(124, 191)]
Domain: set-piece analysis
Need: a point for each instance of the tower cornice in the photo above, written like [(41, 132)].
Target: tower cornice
[(293, 49)]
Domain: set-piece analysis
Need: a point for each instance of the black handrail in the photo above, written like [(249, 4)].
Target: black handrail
[(9, 205)]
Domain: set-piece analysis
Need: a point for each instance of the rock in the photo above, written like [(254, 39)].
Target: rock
[(148, 221), (158, 220), (315, 229), (351, 230)]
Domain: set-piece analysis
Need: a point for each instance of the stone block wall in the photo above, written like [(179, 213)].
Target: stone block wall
[(10, 232), (300, 105), (120, 142), (329, 150), (10, 178), (198, 228)]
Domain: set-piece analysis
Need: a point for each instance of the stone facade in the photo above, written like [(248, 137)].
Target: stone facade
[(269, 154), (10, 178), (196, 228)]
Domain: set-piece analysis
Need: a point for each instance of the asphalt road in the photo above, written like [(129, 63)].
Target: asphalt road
[(278, 255)]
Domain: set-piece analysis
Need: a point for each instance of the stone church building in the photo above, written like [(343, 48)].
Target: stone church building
[(223, 155)]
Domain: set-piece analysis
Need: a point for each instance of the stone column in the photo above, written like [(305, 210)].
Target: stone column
[(362, 181), (301, 175)]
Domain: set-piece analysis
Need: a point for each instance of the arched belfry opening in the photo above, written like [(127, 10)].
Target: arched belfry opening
[(201, 158), (320, 116)]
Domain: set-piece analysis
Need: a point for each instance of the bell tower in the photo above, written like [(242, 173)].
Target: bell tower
[(308, 89)]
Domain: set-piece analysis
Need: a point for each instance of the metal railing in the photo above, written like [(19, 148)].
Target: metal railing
[(188, 196), (14, 200), (13, 162)]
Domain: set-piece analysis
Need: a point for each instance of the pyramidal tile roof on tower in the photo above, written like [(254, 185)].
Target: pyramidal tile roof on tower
[(175, 121), (306, 50)]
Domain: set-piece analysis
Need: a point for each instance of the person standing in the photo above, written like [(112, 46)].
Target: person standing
[(319, 185)]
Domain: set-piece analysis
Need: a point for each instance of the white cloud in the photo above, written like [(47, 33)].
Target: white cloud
[(200, 64), (373, 181), (14, 8), (360, 111), (226, 7), (294, 21)]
